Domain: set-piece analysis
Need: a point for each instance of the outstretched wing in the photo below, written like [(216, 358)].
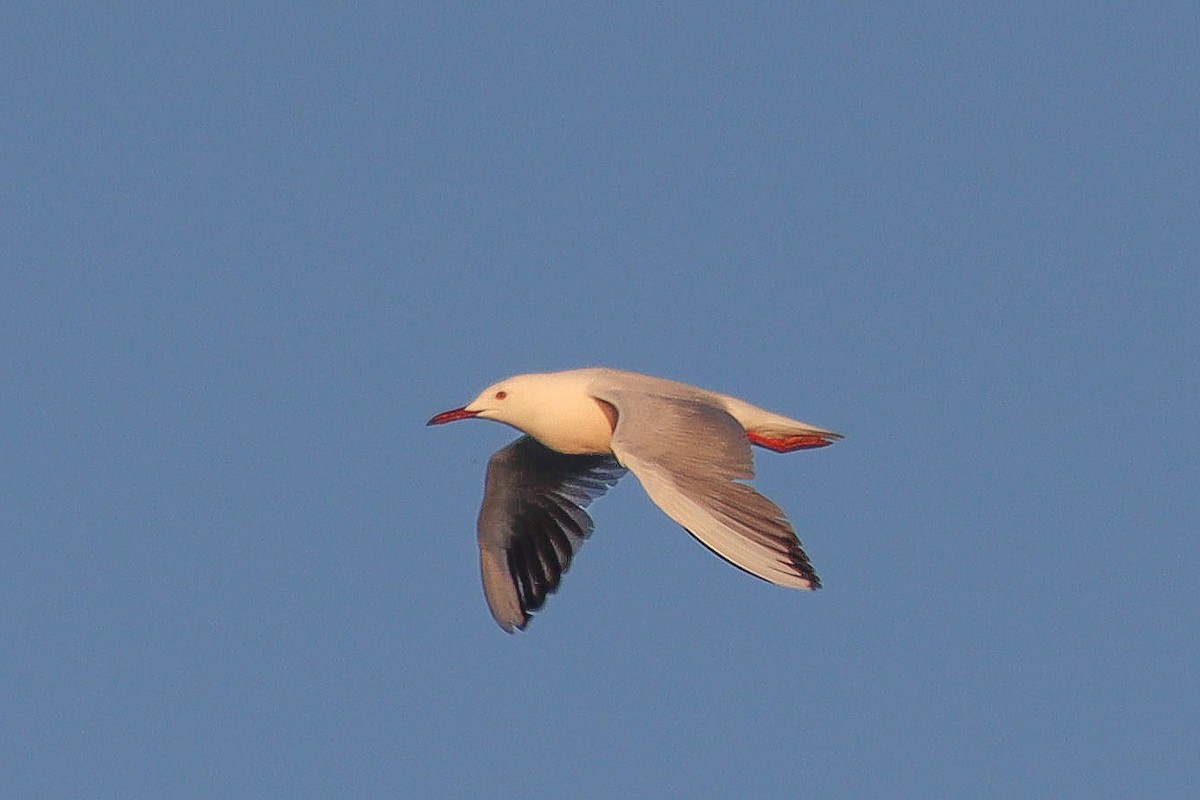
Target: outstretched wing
[(533, 521), (691, 457)]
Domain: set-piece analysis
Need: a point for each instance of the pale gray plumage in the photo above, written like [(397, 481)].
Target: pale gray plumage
[(690, 457)]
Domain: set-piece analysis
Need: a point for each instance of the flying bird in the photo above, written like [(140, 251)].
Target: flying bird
[(584, 428)]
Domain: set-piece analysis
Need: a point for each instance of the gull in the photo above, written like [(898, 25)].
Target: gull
[(584, 428)]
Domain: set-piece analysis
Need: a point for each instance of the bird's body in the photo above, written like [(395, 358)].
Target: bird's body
[(689, 448)]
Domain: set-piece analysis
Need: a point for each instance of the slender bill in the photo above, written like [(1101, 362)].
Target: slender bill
[(453, 415)]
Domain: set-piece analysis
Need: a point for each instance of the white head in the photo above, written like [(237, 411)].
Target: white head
[(521, 401), (556, 408)]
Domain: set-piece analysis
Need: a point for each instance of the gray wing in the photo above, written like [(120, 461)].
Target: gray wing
[(691, 457), (532, 521)]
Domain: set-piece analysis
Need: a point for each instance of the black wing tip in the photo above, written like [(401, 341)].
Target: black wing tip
[(797, 561), (804, 568), (814, 583)]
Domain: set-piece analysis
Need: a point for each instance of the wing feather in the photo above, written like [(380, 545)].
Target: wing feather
[(691, 457), (533, 521)]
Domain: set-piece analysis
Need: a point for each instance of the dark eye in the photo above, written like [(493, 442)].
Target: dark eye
[(500, 395)]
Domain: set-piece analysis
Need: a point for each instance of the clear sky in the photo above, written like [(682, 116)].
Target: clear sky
[(249, 249)]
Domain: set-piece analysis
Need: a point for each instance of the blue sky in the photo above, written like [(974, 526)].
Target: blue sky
[(248, 251)]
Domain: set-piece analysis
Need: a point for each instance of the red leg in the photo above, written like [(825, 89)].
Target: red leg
[(786, 444)]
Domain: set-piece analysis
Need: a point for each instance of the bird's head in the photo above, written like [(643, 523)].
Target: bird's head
[(518, 401)]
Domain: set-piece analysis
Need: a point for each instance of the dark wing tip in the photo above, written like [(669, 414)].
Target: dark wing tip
[(802, 566)]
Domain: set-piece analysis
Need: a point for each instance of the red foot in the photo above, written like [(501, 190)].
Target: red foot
[(786, 444)]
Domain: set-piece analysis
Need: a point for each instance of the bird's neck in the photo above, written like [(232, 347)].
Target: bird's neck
[(572, 424)]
